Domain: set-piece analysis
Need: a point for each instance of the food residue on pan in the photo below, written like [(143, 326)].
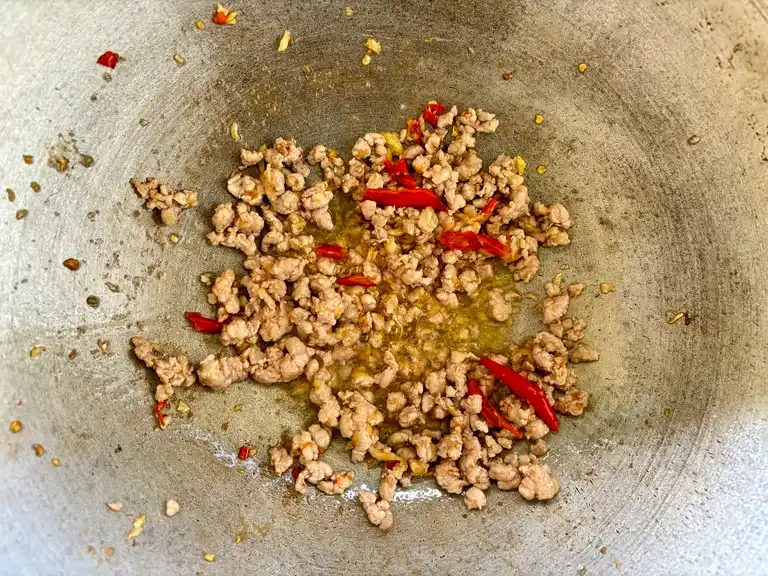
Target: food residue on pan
[(387, 282)]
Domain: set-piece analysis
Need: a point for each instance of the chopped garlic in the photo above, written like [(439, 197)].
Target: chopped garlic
[(208, 557), (172, 508), (540, 169), (582, 67), (373, 45), (606, 287), (115, 506), (519, 164), (284, 42), (366, 59), (138, 526), (36, 351), (347, 11), (539, 119), (234, 132)]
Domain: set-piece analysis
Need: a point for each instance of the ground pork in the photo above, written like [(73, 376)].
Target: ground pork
[(162, 198), (384, 352)]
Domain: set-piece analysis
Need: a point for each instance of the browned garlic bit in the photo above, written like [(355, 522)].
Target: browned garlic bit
[(383, 325)]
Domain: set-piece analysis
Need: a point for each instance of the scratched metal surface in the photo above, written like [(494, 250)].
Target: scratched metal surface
[(674, 226)]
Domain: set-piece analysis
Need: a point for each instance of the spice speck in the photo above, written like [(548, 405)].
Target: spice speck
[(366, 60), (39, 449), (93, 301), (35, 186), (56, 462), (507, 76), (143, 122), (182, 407), (36, 351), (137, 527), (234, 132), (72, 264), (538, 119), (174, 238), (112, 286), (582, 67), (208, 557), (72, 354), (11, 195), (16, 426), (693, 140), (28, 159), (179, 60), (200, 25), (21, 214), (540, 169), (348, 11)]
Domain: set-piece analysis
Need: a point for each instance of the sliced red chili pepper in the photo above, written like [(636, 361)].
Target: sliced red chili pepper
[(407, 180), (398, 167), (465, 241), (332, 251), (243, 453), (468, 241), (493, 246), (413, 127), (432, 111), (390, 464), (524, 389), (108, 59), (157, 410), (203, 324), (489, 412), (295, 472), (405, 198), (489, 208), (355, 280)]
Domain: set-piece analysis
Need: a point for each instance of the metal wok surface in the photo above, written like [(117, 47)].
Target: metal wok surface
[(666, 471)]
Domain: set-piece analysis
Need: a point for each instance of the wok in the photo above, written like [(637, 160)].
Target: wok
[(659, 149)]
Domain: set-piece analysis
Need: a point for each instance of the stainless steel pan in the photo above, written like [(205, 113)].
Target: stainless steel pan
[(666, 473)]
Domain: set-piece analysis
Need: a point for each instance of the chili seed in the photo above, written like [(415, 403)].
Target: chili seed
[(56, 462), (540, 169), (39, 450), (539, 119), (693, 140), (110, 551), (93, 301), (507, 76), (182, 407), (16, 426), (179, 60), (11, 195), (347, 11), (112, 287), (21, 214), (28, 159), (174, 238), (72, 263), (107, 77), (143, 122), (237, 408), (606, 287), (35, 186), (36, 351), (582, 67), (72, 354), (200, 24), (366, 60), (208, 557), (87, 161)]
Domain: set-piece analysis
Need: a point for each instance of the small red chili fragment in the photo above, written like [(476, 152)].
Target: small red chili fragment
[(203, 324), (243, 453), (390, 464), (468, 241), (332, 251), (355, 280), (224, 16), (432, 112), (489, 208), (295, 472), (157, 410), (108, 59), (414, 129), (399, 172)]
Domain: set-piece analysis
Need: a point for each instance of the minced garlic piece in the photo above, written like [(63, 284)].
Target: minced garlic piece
[(606, 287), (284, 42), (366, 59), (138, 526), (373, 45)]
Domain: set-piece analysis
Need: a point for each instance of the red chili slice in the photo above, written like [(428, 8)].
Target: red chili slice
[(398, 167), (468, 241), (432, 111), (203, 324), (332, 251), (489, 412), (405, 198), (295, 472), (414, 129), (493, 246), (243, 453), (489, 208), (355, 280), (108, 59)]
